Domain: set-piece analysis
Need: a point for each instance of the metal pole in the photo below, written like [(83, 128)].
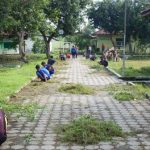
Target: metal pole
[(124, 49)]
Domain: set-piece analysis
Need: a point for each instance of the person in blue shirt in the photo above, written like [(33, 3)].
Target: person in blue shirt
[(48, 67), (42, 73), (51, 61), (73, 52)]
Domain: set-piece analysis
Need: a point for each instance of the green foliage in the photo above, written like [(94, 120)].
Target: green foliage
[(39, 46), (21, 19), (27, 110), (124, 96), (88, 130), (128, 92), (21, 15), (108, 15), (12, 79), (80, 39), (76, 89), (64, 16), (134, 68), (28, 137)]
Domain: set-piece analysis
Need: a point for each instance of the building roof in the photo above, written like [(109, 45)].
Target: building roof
[(146, 12)]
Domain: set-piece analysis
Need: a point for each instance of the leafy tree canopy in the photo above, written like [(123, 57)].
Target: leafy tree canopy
[(109, 15)]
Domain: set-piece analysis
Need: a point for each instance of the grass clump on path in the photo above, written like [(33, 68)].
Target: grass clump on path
[(93, 65), (76, 89), (127, 92), (88, 130), (124, 96), (27, 110)]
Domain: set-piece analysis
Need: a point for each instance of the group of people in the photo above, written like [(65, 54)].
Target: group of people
[(73, 51), (111, 53), (46, 70)]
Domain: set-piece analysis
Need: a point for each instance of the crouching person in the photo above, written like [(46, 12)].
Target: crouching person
[(103, 62), (48, 67), (42, 73)]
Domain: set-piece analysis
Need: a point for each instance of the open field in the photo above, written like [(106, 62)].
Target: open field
[(11, 79), (133, 67)]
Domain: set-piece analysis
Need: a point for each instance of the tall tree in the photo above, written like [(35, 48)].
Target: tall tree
[(22, 18), (63, 17), (109, 15), (82, 38)]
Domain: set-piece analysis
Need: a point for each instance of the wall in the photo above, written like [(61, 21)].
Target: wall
[(6, 47), (106, 41)]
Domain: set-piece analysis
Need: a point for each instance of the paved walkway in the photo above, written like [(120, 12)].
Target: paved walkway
[(62, 108)]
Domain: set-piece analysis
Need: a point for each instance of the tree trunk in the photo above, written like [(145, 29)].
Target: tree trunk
[(47, 40), (21, 46), (47, 48), (113, 43)]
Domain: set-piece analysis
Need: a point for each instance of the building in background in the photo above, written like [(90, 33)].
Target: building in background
[(104, 40), (8, 47)]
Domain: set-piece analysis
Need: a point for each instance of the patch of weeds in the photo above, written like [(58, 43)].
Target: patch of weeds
[(53, 81), (97, 67), (35, 84), (88, 130), (124, 96), (76, 89), (27, 110), (128, 92), (28, 138)]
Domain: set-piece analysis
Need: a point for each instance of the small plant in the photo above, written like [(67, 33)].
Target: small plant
[(88, 130), (124, 96), (29, 110), (76, 89), (28, 137)]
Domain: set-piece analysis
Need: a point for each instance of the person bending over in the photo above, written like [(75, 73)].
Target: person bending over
[(48, 67), (51, 60), (42, 73)]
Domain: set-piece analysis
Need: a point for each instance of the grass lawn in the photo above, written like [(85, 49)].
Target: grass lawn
[(12, 79), (140, 68)]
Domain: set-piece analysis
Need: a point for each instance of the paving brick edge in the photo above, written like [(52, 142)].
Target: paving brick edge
[(118, 75)]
